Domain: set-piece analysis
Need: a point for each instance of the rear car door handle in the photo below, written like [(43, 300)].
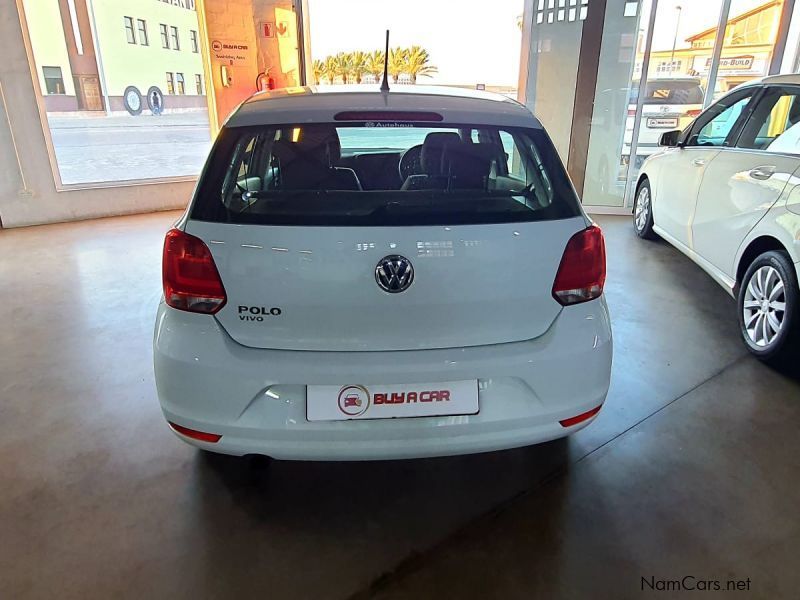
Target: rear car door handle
[(699, 162), (762, 173)]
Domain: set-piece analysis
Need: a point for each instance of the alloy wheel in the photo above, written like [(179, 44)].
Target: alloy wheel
[(642, 208), (764, 307)]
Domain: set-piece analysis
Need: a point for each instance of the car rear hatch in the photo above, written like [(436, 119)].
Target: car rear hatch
[(315, 288), (483, 218)]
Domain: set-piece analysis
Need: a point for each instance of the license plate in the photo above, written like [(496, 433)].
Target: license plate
[(662, 123), (355, 401)]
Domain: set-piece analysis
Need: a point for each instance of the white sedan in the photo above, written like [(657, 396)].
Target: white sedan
[(381, 275), (726, 192)]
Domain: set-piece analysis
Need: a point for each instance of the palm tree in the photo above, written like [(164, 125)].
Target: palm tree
[(375, 62), (344, 65), (330, 68), (417, 60), (319, 71), (398, 59), (358, 61)]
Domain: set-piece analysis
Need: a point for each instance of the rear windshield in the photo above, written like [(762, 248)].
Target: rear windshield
[(383, 174), (670, 92)]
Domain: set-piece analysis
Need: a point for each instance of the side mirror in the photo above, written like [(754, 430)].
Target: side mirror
[(670, 139)]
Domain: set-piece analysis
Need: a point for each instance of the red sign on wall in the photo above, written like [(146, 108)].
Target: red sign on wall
[(268, 29)]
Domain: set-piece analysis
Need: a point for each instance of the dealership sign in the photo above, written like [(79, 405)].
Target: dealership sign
[(747, 64), (231, 53)]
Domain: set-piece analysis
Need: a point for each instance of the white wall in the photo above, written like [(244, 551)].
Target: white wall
[(28, 195)]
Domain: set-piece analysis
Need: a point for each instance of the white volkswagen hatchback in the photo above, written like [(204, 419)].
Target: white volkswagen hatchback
[(381, 275), (726, 192)]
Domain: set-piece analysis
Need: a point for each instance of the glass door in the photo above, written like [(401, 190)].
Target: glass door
[(672, 91)]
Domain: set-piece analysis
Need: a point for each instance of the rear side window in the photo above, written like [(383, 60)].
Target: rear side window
[(383, 174)]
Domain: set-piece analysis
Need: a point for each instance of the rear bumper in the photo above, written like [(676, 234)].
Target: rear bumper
[(256, 398)]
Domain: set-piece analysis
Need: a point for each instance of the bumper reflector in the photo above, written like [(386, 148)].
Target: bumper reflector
[(195, 435), (580, 418)]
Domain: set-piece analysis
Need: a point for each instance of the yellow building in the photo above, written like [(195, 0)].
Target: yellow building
[(746, 53), (113, 54)]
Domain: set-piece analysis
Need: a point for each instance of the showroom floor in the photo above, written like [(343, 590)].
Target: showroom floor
[(692, 469)]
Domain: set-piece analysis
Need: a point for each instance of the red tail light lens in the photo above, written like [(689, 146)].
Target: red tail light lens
[(631, 112), (582, 273), (212, 438), (694, 112), (580, 418), (191, 280)]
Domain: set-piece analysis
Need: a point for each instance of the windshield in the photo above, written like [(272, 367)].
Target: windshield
[(383, 174)]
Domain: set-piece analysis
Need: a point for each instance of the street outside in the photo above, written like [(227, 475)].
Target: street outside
[(91, 149)]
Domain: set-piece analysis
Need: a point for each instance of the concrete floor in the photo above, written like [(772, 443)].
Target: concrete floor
[(693, 467)]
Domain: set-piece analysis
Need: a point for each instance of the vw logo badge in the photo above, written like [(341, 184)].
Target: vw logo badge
[(394, 274)]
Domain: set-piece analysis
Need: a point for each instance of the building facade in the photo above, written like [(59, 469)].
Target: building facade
[(113, 55), (746, 53)]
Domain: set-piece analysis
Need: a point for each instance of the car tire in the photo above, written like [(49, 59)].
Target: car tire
[(643, 211), (771, 334)]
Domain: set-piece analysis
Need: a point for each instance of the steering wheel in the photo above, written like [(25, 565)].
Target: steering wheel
[(411, 162)]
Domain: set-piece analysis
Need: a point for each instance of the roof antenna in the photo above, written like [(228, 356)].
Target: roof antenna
[(385, 83)]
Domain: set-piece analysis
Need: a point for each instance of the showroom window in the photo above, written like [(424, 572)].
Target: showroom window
[(193, 39), (142, 27), (89, 70), (198, 81), (129, 31), (53, 79), (175, 43), (164, 36)]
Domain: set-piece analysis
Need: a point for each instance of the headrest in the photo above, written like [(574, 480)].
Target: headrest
[(432, 155), (315, 143), (469, 164)]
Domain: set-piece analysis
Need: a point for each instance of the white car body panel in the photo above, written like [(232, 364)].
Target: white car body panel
[(320, 105), (316, 277), (256, 398), (729, 208), (481, 309), (731, 201)]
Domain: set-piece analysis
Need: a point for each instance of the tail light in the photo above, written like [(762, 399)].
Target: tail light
[(695, 112), (580, 418), (212, 438), (582, 272), (191, 280), (631, 112)]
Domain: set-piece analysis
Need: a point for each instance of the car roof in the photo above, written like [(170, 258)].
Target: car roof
[(789, 78), (312, 104)]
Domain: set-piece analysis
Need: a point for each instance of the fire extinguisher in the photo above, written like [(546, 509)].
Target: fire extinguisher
[(265, 82)]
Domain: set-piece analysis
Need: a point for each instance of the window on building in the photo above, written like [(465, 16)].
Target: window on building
[(170, 83), (164, 36), (130, 33), (175, 42), (53, 80), (198, 81), (141, 25), (193, 38), (180, 84)]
